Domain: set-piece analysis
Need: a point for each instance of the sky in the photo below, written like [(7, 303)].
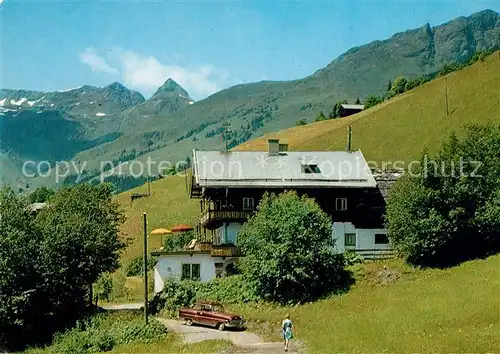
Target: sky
[(205, 46)]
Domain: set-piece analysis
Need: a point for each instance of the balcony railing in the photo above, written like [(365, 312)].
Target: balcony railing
[(226, 251), (213, 216)]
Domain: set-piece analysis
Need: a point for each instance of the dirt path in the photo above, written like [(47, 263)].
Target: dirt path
[(131, 306), (245, 342)]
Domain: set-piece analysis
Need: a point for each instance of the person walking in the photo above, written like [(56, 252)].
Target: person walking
[(287, 325)]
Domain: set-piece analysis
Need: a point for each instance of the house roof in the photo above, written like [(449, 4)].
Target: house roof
[(260, 169), (386, 179), (353, 106)]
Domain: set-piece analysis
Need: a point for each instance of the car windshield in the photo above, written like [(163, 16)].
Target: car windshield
[(218, 308)]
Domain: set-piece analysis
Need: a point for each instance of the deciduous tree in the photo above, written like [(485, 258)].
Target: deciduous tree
[(448, 210), (289, 250), (49, 262)]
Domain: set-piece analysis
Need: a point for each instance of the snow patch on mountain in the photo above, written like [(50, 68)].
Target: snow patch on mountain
[(2, 102), (18, 103), (3, 109)]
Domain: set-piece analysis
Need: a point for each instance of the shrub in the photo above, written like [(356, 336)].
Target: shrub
[(119, 290), (103, 287), (175, 294), (103, 332), (232, 289), (138, 331), (351, 258), (134, 267), (177, 241), (373, 100), (289, 252)]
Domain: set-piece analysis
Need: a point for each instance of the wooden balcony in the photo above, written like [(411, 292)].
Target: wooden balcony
[(214, 218), (226, 251)]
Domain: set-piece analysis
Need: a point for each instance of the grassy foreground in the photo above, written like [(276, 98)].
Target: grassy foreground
[(398, 309), (124, 332)]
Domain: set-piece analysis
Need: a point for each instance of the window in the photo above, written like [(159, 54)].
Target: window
[(341, 204), (310, 169), (350, 240), (381, 239), (247, 203), (190, 271)]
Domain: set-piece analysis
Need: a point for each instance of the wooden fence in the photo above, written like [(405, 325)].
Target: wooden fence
[(376, 254)]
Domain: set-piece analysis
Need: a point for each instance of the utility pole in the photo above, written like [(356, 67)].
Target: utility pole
[(349, 138), (498, 46), (446, 95), (225, 133), (145, 268)]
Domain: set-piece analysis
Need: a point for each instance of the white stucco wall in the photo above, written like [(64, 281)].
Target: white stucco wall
[(171, 265), (365, 238)]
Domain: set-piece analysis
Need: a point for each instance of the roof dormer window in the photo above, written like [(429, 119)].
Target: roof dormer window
[(310, 169)]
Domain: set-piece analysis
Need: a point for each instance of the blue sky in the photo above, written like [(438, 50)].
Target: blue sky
[(204, 45)]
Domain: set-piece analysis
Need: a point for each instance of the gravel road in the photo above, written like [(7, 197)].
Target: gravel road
[(244, 341)]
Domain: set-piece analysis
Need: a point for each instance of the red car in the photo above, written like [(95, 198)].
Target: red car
[(212, 314)]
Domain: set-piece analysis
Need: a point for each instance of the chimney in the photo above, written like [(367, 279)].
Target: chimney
[(283, 147), (273, 147)]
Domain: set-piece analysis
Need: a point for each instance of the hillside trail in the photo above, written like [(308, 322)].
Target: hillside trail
[(244, 342)]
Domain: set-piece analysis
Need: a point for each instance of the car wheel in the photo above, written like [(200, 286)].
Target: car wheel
[(189, 322), (221, 326)]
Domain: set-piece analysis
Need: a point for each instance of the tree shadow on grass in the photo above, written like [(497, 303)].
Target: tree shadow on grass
[(459, 253)]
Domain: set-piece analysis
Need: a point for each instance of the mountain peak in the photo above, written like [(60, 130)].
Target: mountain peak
[(116, 86), (171, 86)]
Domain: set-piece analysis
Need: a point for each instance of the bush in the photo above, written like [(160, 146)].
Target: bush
[(351, 258), (175, 294), (289, 252), (103, 332), (134, 267), (138, 331), (103, 287), (373, 100), (177, 241), (232, 289)]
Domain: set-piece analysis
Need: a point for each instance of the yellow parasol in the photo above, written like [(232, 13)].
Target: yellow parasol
[(161, 231)]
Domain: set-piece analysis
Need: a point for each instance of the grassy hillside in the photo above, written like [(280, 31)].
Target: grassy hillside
[(167, 206), (398, 309), (399, 129)]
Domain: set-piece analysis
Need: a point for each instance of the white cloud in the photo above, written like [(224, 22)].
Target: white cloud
[(1, 1), (147, 73), (96, 62)]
